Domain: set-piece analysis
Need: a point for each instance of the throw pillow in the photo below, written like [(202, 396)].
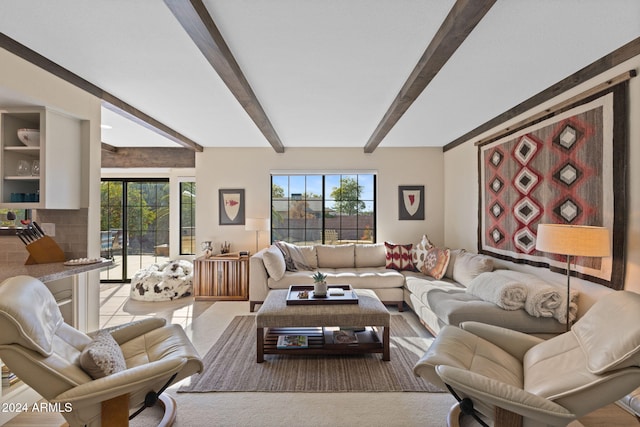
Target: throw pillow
[(419, 253), (293, 256), (102, 356), (469, 265), (398, 257), (436, 262), (453, 255), (274, 262)]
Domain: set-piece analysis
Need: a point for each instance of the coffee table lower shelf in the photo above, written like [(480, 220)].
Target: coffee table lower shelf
[(320, 341)]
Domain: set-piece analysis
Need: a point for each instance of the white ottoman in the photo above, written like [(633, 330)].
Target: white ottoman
[(163, 282)]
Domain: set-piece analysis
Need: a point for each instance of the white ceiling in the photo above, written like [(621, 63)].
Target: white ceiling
[(324, 71)]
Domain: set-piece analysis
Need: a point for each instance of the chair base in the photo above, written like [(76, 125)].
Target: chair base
[(453, 417), (170, 410), (115, 412), (502, 417)]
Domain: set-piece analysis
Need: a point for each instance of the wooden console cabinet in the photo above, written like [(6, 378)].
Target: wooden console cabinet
[(221, 278)]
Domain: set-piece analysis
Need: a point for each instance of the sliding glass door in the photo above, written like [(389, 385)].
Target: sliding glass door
[(134, 225)]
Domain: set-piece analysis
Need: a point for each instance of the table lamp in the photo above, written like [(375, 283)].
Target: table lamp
[(257, 225), (572, 240)]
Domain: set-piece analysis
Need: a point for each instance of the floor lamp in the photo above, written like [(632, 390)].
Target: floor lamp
[(257, 225), (572, 240)]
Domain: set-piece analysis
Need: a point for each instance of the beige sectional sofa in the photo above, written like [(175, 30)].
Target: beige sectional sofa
[(362, 266), (447, 302), (436, 302)]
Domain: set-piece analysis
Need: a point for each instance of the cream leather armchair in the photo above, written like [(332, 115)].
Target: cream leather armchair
[(508, 377), (46, 353)]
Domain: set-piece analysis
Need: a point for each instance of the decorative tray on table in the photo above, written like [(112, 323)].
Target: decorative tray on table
[(336, 294)]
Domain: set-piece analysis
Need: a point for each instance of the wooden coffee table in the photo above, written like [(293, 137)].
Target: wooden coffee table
[(276, 318)]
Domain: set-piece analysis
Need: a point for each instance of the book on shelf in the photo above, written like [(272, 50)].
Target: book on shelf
[(10, 380), (345, 336), (292, 341), (8, 377)]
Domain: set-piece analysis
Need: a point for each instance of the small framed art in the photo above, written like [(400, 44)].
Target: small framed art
[(411, 202), (231, 206)]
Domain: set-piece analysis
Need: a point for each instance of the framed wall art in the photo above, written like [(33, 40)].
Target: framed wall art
[(411, 202), (231, 206)]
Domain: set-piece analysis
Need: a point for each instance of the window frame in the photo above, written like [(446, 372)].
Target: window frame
[(192, 209), (325, 200)]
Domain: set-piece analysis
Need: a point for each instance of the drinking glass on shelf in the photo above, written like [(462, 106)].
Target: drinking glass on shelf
[(24, 167), (35, 168)]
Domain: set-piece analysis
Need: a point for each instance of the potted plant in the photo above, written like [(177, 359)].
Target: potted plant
[(319, 285)]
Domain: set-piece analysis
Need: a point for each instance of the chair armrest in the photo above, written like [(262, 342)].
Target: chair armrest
[(128, 331), (127, 381), (513, 342), (489, 392)]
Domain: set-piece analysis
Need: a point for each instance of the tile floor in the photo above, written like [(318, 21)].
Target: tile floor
[(116, 308)]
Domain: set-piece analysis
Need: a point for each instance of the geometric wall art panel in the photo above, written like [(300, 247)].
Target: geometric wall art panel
[(558, 171)]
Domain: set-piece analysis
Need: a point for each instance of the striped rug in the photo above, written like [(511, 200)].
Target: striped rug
[(230, 365)]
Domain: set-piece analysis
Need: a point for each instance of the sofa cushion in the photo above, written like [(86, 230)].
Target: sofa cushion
[(359, 278), (436, 262), (293, 256), (452, 305), (370, 255), (419, 252), (453, 255), (336, 256), (274, 262), (469, 265), (398, 257), (310, 255)]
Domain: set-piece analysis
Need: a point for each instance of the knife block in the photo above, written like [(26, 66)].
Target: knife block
[(45, 250)]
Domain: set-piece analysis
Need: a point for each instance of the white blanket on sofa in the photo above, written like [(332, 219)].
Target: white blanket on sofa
[(543, 298), (503, 291)]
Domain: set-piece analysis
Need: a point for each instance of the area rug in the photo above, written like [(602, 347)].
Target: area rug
[(230, 365)]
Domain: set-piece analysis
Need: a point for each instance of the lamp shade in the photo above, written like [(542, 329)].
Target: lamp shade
[(256, 224), (574, 240)]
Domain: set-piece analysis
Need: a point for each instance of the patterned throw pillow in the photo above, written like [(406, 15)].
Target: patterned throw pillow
[(102, 356), (436, 262), (419, 253), (398, 257)]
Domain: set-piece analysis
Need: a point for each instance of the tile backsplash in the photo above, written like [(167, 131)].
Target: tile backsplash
[(71, 235)]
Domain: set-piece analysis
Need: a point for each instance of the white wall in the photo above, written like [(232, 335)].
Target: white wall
[(249, 169), (461, 180), (23, 84)]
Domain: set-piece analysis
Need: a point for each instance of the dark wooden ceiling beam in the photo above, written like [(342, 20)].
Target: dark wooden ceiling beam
[(149, 157), (199, 25), (461, 20), (109, 147), (111, 102)]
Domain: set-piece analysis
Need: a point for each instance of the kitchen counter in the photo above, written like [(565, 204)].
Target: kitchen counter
[(48, 272)]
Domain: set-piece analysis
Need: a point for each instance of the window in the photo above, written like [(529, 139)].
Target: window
[(187, 218), (134, 225), (331, 209)]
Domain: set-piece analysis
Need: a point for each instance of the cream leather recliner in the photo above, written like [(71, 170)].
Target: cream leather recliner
[(507, 376), (45, 353)]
